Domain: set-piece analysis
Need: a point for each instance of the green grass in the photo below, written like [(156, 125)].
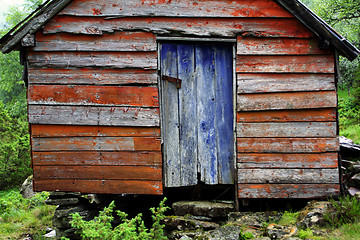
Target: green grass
[(21, 217), (345, 232)]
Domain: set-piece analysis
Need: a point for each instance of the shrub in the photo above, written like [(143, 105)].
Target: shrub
[(134, 229), (14, 150)]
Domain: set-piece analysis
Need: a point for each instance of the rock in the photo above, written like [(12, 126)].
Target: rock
[(348, 149), (227, 232), (26, 188), (187, 223), (185, 234), (275, 231), (254, 219), (63, 211), (346, 163), (203, 208), (355, 181), (62, 201), (51, 234), (313, 214)]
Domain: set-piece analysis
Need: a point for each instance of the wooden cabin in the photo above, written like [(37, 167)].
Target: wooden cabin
[(135, 97)]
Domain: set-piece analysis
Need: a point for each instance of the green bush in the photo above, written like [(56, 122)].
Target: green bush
[(134, 229), (346, 210), (14, 150)]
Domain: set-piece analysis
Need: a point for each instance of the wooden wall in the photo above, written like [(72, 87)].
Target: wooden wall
[(286, 119), (94, 113), (94, 102)]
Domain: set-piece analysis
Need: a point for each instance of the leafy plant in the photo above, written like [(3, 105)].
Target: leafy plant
[(245, 235), (134, 229), (346, 210), (288, 218), (306, 234), (14, 150)]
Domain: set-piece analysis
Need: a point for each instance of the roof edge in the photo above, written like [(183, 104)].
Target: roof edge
[(39, 18), (320, 28)]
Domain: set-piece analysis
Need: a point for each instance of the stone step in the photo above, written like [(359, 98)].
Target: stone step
[(203, 208)]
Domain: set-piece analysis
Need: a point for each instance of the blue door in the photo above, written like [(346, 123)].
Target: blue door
[(197, 113)]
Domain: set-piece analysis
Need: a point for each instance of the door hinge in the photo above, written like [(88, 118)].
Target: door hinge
[(173, 80)]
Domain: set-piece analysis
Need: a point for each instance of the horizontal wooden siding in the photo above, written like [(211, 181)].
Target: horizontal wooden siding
[(286, 119)]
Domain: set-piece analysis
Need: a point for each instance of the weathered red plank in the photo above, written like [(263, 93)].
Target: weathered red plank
[(100, 186), (281, 160), (287, 145), (287, 129), (285, 64), (89, 95), (96, 143), (288, 190), (118, 41), (145, 60), (92, 131), (226, 27), (308, 115), (92, 76), (99, 172), (278, 46), (103, 116), (113, 158), (253, 83), (279, 101), (298, 176), (189, 8)]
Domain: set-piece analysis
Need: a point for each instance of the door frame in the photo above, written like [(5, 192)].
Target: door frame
[(160, 40)]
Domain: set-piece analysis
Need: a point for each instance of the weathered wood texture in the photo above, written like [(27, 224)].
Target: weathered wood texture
[(93, 95), (99, 186), (198, 117), (145, 60), (278, 46), (285, 160), (92, 131), (91, 76), (97, 153), (301, 115), (189, 8), (96, 143), (152, 173), (287, 129), (288, 190), (262, 83), (105, 116), (118, 41), (285, 64), (283, 101), (287, 145), (224, 27), (297, 176), (97, 158), (286, 119)]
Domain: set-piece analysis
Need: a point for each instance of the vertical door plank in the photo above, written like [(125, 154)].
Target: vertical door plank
[(187, 116), (171, 116), (207, 152), (224, 113)]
